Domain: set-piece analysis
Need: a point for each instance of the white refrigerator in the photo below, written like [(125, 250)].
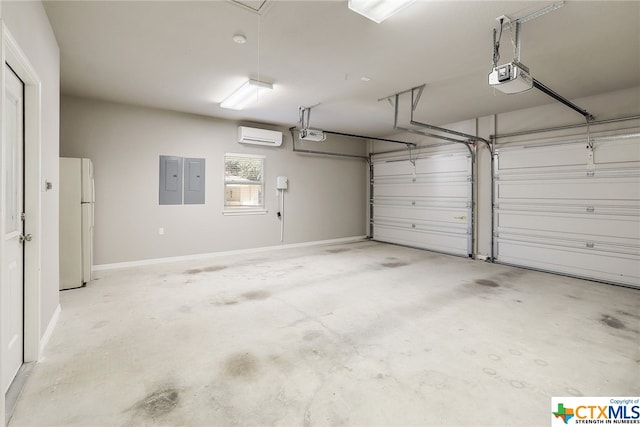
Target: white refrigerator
[(76, 222)]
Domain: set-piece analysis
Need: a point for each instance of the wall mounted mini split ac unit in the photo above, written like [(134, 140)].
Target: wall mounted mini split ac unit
[(247, 135)]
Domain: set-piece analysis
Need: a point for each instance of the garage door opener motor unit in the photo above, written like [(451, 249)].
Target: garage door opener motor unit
[(514, 77), (511, 78), (306, 133)]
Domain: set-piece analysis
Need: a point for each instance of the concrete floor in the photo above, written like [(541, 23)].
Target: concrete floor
[(358, 334)]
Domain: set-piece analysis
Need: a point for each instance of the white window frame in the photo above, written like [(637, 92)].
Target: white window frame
[(239, 209)]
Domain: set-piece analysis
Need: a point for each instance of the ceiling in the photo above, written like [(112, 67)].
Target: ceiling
[(179, 55)]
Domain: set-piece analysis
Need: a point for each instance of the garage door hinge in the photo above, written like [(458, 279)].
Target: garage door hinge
[(23, 216), (590, 209), (591, 173), (590, 245)]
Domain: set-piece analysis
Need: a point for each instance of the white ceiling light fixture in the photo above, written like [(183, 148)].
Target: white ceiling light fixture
[(245, 94), (378, 10)]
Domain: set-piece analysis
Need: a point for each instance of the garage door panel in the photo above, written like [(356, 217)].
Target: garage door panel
[(442, 165), (395, 168), (616, 152), (613, 268), (443, 227), (548, 156), (600, 207), (426, 239), (567, 225), (556, 210), (416, 190), (576, 189), (453, 216), (620, 170), (437, 181), (423, 202), (593, 246), (424, 166), (428, 206)]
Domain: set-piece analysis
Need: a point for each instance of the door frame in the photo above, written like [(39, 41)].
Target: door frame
[(17, 60)]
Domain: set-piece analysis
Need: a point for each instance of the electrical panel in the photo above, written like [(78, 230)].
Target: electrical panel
[(194, 181), (170, 180), (181, 181)]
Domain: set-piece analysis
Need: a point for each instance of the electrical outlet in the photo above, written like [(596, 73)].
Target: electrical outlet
[(161, 231)]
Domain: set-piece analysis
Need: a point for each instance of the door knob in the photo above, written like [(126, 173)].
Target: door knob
[(26, 238)]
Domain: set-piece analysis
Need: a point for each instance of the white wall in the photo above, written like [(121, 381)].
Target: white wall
[(29, 26), (326, 198)]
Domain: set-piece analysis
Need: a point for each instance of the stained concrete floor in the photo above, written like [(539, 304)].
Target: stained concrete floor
[(358, 334)]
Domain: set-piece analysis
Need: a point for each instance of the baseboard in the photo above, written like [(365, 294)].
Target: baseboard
[(49, 331), (115, 266)]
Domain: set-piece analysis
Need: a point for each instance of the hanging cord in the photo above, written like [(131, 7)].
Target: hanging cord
[(281, 213), (589, 141), (412, 161), (259, 31)]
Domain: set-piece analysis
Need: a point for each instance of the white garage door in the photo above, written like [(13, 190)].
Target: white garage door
[(561, 210), (426, 206)]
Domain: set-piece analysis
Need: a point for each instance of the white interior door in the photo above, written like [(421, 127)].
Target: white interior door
[(13, 262)]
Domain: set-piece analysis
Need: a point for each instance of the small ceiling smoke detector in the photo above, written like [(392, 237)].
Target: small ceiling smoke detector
[(239, 38)]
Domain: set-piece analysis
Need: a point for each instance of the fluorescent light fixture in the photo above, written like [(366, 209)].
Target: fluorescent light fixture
[(245, 94), (378, 10)]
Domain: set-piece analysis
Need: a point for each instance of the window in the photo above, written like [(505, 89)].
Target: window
[(243, 183)]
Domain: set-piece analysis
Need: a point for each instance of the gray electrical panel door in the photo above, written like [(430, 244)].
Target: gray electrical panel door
[(170, 180), (194, 181)]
